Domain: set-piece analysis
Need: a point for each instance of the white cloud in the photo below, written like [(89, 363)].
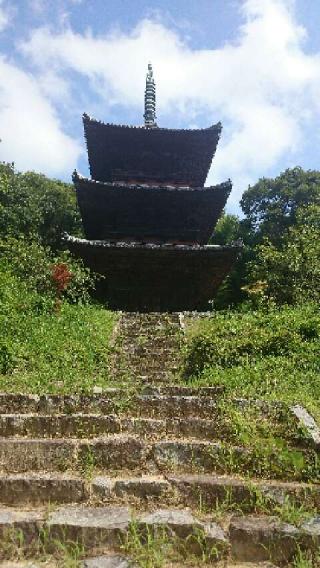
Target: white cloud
[(260, 86), (31, 134)]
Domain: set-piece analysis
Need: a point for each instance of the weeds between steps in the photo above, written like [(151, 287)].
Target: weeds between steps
[(14, 547), (87, 463), (289, 510), (156, 547), (306, 559), (278, 447)]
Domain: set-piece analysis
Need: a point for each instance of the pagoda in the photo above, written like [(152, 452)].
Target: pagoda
[(147, 216)]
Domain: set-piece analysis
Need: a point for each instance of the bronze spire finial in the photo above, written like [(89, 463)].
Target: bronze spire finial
[(150, 100)]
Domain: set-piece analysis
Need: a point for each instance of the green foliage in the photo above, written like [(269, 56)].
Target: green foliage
[(270, 353), (156, 547), (49, 352), (271, 205), (277, 240), (43, 349), (227, 230), (290, 272), (51, 338), (33, 205), (33, 263), (307, 559)]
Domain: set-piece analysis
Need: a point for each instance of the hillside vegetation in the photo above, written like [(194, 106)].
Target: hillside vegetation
[(53, 337), (268, 345), (271, 354)]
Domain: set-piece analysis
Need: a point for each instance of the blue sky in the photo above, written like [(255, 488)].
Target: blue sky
[(253, 64)]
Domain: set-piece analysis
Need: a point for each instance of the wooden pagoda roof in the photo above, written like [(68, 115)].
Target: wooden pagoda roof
[(149, 213), (156, 156), (150, 277)]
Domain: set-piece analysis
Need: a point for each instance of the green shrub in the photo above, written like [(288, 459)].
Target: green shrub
[(42, 348), (33, 263), (271, 353)]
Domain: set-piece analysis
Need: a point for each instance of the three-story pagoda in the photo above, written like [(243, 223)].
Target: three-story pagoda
[(147, 216)]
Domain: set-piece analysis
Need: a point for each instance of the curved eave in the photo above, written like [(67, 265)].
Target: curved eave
[(79, 180), (109, 244), (88, 119)]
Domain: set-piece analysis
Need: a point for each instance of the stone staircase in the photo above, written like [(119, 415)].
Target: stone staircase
[(148, 474), (147, 347)]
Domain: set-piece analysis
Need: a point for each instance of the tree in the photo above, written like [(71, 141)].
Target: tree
[(227, 230), (276, 226), (33, 205), (271, 205), (289, 273)]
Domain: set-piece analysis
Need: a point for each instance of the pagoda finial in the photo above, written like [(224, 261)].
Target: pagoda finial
[(150, 100)]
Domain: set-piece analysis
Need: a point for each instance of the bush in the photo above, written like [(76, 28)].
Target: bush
[(272, 353), (42, 350), (35, 265)]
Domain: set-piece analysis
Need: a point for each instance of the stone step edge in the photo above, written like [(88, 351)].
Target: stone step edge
[(248, 538), (183, 489), (96, 528), (88, 425), (99, 393), (19, 403), (124, 452), (91, 425)]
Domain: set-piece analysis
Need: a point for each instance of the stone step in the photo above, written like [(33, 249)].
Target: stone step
[(153, 362), (157, 396), (180, 390), (244, 539), (154, 324), (121, 452), (96, 528), (212, 490), (33, 489), (150, 330), (136, 340), (110, 452), (93, 425), (135, 347), (102, 561), (108, 561), (207, 491), (261, 538), (142, 405)]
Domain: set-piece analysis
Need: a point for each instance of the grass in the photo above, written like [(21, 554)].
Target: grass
[(270, 354), (160, 547), (45, 350), (287, 508), (306, 559), (43, 549)]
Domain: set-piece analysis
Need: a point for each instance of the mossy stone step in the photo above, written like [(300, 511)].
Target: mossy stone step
[(96, 528), (93, 425), (108, 400), (210, 491), (120, 452), (245, 539)]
